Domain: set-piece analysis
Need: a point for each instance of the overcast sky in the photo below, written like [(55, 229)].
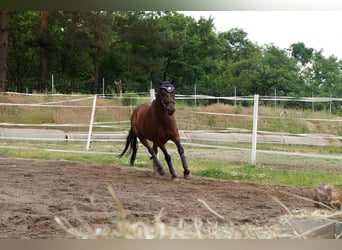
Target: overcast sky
[(316, 29)]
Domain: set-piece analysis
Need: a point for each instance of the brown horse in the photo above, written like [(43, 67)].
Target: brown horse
[(155, 122)]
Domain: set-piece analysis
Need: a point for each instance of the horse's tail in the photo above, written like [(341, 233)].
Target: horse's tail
[(132, 144)]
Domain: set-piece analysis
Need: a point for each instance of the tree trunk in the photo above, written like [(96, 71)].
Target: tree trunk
[(43, 67), (4, 30)]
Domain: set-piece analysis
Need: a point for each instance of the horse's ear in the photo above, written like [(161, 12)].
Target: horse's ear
[(173, 81), (160, 81)]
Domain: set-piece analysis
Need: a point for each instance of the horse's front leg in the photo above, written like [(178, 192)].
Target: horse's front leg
[(156, 169), (168, 161), (180, 149)]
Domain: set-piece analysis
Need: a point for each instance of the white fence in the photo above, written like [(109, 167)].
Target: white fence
[(55, 132)]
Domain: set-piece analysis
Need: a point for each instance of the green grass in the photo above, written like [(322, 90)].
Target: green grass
[(330, 149), (99, 153), (267, 175)]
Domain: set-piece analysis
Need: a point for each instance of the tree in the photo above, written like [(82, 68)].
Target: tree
[(135, 47), (144, 47), (278, 72), (300, 52), (98, 30), (242, 61), (326, 75), (73, 56), (197, 60), (176, 32), (236, 44), (4, 29), (133, 55), (43, 40)]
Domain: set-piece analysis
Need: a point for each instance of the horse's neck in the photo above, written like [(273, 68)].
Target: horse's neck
[(160, 111)]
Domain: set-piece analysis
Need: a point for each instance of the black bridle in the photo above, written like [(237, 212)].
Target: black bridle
[(169, 89)]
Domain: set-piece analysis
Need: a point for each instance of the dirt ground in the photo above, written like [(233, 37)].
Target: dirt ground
[(33, 192)]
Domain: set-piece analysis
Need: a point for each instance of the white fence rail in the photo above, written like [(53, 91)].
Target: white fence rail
[(50, 131)]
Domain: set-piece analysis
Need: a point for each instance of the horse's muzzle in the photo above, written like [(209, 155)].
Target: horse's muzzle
[(170, 111)]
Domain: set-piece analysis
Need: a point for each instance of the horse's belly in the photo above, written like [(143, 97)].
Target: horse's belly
[(146, 125)]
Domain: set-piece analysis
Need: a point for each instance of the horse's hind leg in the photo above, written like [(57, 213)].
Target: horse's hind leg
[(160, 170), (156, 162)]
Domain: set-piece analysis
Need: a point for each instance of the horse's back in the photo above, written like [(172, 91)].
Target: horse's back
[(140, 117)]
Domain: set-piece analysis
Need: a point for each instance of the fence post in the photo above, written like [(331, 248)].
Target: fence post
[(255, 128), (103, 87), (52, 84), (152, 94), (91, 122), (195, 90)]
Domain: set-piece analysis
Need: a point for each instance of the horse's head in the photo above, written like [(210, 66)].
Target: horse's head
[(167, 95)]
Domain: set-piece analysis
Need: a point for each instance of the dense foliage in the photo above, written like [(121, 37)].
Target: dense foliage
[(81, 49)]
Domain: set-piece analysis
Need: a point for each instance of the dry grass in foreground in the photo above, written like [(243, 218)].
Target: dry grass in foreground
[(196, 229)]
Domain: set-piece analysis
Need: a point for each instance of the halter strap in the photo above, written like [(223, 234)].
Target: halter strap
[(168, 86), (165, 103)]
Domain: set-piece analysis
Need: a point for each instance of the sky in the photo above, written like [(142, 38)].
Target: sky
[(316, 29)]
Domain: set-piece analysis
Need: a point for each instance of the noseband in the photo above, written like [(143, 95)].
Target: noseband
[(166, 103)]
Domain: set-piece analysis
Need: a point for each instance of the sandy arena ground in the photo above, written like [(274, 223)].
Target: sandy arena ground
[(33, 192)]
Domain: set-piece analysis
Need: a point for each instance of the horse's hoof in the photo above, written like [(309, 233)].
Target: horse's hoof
[(187, 176), (161, 172), (175, 179)]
